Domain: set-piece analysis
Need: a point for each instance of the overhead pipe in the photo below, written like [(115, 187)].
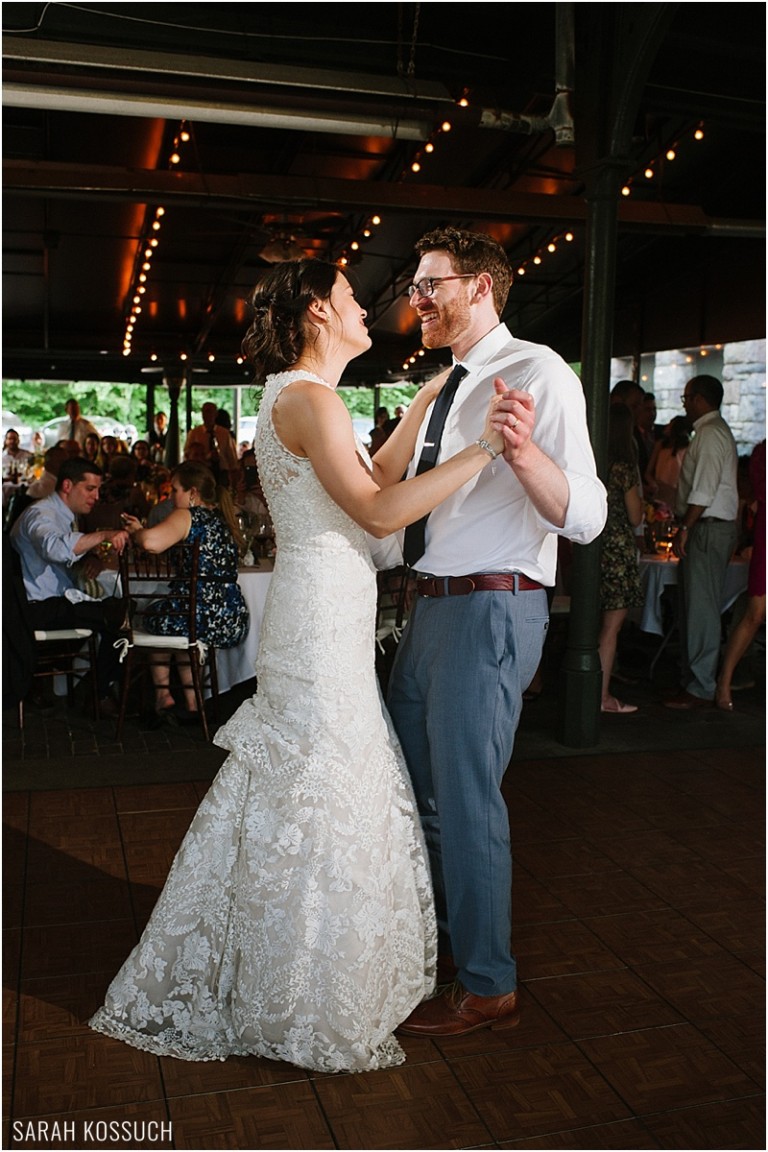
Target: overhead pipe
[(559, 118)]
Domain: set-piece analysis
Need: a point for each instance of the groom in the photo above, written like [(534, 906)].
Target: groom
[(475, 635)]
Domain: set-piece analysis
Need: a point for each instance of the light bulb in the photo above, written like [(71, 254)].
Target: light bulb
[(552, 247), (415, 167), (671, 154), (649, 173), (375, 219), (698, 134), (626, 190), (445, 126), (521, 271), (174, 158), (160, 212), (429, 147), (569, 236), (537, 259)]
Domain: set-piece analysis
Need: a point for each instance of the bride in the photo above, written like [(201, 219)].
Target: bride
[(297, 920)]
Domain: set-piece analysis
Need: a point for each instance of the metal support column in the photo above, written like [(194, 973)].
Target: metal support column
[(581, 671)]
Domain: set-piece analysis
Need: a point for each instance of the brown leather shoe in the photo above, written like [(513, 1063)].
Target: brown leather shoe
[(455, 1012), (687, 702)]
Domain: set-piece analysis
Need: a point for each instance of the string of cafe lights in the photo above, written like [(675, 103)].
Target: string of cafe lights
[(353, 251), (667, 155), (149, 241)]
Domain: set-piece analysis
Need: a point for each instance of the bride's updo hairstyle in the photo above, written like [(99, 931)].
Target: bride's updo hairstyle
[(279, 332)]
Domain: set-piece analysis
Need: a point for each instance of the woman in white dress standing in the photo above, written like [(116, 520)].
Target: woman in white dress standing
[(297, 920)]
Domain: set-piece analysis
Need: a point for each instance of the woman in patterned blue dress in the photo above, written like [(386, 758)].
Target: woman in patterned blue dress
[(620, 587), (202, 512)]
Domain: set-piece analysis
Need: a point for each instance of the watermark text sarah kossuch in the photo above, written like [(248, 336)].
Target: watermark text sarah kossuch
[(93, 1133)]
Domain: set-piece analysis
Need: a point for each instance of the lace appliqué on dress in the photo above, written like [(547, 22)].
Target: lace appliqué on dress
[(297, 921)]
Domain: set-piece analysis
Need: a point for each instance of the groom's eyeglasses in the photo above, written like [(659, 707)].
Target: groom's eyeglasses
[(426, 286)]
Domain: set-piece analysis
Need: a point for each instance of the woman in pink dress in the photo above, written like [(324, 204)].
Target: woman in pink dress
[(754, 616)]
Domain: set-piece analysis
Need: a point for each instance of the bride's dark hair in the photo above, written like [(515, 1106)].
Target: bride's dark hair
[(279, 333)]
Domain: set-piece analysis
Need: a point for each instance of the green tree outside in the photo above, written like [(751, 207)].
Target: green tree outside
[(35, 402)]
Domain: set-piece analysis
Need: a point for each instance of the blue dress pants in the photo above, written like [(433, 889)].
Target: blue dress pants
[(455, 698)]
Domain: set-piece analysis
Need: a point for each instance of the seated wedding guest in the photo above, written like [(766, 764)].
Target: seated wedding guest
[(119, 493), (250, 496), (71, 447), (109, 448), (92, 448), (377, 435), (202, 512), (141, 453), (164, 505), (56, 557), (45, 484), (37, 489), (14, 456)]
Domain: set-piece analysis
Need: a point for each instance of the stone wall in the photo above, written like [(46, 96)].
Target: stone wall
[(740, 367)]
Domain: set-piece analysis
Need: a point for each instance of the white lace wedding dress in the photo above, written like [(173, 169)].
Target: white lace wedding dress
[(297, 920)]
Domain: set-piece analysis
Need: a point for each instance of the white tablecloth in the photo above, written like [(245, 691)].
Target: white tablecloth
[(234, 665), (657, 573)]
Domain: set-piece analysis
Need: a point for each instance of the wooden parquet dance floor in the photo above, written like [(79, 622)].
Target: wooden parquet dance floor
[(638, 900)]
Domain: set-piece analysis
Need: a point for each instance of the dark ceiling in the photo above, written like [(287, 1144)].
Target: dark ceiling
[(304, 121)]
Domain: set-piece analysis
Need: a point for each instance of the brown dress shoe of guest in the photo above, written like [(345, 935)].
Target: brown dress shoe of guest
[(455, 1012)]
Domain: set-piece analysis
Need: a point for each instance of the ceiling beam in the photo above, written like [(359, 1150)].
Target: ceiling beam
[(121, 60), (358, 123), (55, 180)]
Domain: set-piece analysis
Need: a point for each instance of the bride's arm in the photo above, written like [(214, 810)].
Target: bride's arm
[(312, 421), (392, 459)]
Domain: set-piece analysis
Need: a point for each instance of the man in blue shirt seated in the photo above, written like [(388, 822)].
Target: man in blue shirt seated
[(55, 556)]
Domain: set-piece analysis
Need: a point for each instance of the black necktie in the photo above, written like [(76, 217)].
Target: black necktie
[(413, 543)]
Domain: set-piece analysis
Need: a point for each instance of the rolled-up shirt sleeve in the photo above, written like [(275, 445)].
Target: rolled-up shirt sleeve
[(53, 545), (560, 431)]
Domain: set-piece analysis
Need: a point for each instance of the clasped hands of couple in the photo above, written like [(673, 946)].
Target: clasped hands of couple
[(510, 416)]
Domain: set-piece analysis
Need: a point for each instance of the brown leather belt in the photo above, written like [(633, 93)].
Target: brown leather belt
[(477, 582)]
